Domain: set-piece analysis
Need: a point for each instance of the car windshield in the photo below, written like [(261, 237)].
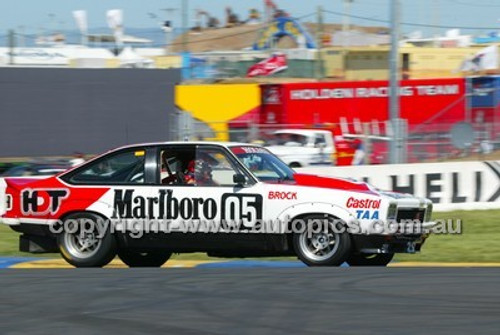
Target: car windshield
[(263, 164), (290, 139)]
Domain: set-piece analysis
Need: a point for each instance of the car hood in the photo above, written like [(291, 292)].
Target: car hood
[(332, 183), (290, 150), (302, 179)]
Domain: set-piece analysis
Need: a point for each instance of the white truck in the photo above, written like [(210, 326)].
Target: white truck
[(303, 147)]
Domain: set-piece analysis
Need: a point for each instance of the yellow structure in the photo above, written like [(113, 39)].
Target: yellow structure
[(218, 104), (372, 63)]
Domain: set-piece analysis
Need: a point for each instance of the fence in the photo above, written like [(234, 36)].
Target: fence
[(432, 143), (213, 66)]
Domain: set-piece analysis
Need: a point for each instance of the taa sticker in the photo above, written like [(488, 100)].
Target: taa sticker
[(367, 215), (40, 202)]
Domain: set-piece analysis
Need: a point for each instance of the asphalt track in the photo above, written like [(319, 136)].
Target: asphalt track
[(251, 301)]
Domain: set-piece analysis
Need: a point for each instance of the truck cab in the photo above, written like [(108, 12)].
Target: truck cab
[(303, 147)]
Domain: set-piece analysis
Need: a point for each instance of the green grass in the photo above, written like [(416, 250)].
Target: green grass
[(9, 244), (478, 242)]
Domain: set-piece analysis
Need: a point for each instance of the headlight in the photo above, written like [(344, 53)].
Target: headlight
[(392, 212), (428, 213)]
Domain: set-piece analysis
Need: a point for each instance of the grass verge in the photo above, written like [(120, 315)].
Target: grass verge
[(478, 241)]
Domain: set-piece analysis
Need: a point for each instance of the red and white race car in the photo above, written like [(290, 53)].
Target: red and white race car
[(145, 202)]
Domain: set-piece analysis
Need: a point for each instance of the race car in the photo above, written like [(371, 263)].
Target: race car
[(145, 202)]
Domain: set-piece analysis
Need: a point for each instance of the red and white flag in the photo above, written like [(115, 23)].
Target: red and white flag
[(276, 63)]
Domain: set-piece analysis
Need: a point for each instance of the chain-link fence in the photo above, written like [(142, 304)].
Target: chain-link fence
[(429, 143)]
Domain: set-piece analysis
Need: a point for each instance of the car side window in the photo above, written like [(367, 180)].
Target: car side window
[(197, 166), (173, 164), (212, 167), (122, 168), (320, 140)]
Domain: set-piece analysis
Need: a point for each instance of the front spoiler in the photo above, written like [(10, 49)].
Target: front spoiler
[(386, 244)]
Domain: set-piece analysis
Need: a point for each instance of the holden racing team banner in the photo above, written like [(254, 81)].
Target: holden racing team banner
[(450, 186)]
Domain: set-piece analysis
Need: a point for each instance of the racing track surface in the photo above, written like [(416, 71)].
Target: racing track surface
[(251, 301)]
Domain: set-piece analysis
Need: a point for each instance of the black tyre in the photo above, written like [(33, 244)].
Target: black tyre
[(152, 259), (330, 247), (294, 165), (83, 244), (369, 259)]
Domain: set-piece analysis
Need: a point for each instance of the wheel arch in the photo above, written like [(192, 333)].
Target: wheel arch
[(82, 211), (314, 208), (301, 211)]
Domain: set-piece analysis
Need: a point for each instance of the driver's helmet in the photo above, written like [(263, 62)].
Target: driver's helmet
[(202, 170), (198, 170)]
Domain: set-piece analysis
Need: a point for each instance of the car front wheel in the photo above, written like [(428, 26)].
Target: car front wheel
[(328, 246), (83, 244), (152, 259)]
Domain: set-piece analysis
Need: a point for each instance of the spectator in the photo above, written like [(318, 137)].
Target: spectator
[(359, 154)]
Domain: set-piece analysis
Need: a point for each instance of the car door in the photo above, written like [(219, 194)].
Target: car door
[(198, 192)]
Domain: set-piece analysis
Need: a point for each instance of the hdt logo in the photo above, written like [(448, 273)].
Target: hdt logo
[(41, 202)]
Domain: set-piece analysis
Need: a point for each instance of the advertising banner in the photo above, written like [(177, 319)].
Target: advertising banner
[(439, 101), (269, 66), (450, 186)]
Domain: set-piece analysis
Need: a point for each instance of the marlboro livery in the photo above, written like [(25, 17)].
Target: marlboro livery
[(145, 202)]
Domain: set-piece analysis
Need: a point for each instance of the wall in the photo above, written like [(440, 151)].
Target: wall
[(436, 62), (372, 63), (47, 112)]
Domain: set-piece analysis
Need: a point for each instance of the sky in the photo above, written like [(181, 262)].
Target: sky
[(33, 16)]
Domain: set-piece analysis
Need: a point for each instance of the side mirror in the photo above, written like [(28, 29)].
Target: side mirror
[(239, 179)]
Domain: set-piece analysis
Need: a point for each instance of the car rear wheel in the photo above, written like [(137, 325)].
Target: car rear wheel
[(152, 259), (369, 259), (83, 244), (328, 247)]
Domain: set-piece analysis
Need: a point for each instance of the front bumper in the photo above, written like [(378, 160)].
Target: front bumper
[(385, 244)]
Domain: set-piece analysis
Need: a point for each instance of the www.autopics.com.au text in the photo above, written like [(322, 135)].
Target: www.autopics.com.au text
[(137, 228)]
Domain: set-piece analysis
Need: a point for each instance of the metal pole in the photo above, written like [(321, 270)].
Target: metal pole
[(319, 45), (185, 26), (22, 36), (435, 22), (469, 93), (12, 45), (346, 21), (396, 149)]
